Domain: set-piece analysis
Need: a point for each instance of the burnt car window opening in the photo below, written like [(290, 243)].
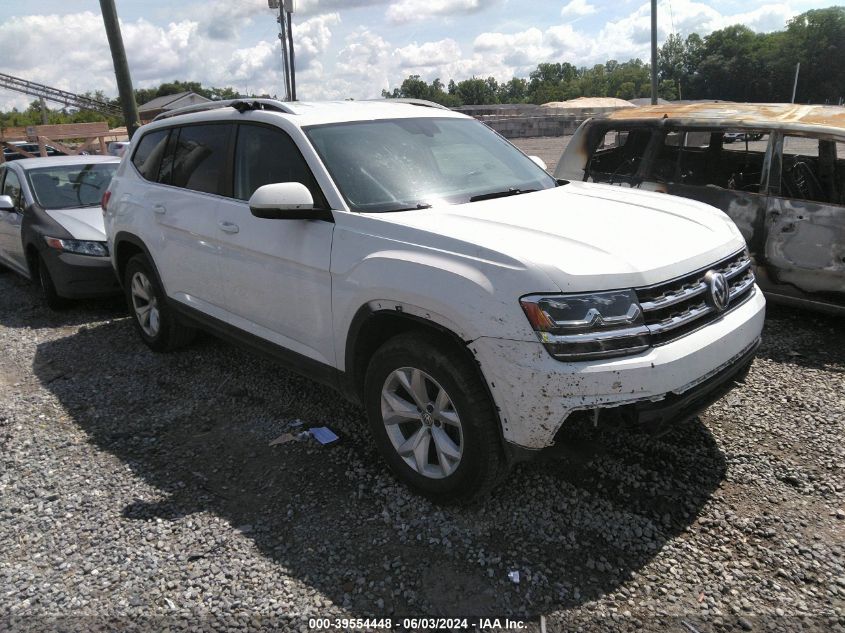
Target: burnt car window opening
[(813, 169), (398, 164), (717, 158), (70, 186), (617, 155)]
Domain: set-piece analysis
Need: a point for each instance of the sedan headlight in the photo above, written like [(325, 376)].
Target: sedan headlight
[(80, 247), (588, 326)]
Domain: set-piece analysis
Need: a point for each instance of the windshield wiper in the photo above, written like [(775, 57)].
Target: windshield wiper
[(416, 207), (510, 191)]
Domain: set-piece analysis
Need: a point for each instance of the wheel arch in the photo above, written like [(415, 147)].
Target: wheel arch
[(125, 246), (378, 321)]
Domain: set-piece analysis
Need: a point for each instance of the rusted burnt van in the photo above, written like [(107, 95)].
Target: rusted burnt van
[(778, 170)]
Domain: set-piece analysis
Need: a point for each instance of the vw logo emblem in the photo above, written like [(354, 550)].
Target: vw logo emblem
[(719, 293)]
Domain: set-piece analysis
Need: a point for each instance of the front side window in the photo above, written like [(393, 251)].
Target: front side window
[(70, 186), (199, 158), (265, 155), (397, 164), (813, 169), (12, 188), (147, 157)]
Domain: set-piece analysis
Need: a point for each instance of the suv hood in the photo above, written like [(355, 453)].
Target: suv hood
[(586, 236), (83, 223)]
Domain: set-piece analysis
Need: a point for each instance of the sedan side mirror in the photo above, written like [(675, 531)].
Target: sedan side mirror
[(6, 203), (283, 201), (539, 161)]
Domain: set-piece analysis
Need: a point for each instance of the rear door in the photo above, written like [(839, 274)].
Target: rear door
[(277, 272), (192, 181), (805, 222), (11, 247)]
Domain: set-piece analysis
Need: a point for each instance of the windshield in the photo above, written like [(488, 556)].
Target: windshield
[(69, 186), (399, 164)]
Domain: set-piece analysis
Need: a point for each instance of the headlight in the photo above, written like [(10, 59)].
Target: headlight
[(80, 247), (587, 326)]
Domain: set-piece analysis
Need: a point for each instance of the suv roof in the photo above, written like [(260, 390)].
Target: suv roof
[(770, 115), (320, 112)]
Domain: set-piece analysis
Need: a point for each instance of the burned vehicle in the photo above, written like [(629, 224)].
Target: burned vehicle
[(777, 170)]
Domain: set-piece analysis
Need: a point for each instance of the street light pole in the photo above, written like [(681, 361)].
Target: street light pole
[(653, 52)]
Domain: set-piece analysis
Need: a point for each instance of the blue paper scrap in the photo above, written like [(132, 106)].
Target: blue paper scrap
[(323, 434)]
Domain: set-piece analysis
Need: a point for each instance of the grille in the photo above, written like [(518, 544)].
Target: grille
[(675, 308)]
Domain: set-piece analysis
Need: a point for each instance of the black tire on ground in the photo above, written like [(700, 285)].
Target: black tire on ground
[(47, 288), (170, 334), (482, 464)]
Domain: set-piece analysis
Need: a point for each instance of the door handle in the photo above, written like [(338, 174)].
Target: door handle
[(228, 227), (159, 209)]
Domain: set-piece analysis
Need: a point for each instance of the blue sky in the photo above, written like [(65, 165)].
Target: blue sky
[(346, 48)]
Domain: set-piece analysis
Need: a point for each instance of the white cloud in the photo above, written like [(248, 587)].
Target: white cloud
[(427, 55), (415, 10), (315, 7), (577, 9), (334, 59)]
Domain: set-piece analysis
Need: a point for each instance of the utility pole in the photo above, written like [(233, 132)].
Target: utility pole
[(121, 67), (653, 52), (795, 85), (289, 10)]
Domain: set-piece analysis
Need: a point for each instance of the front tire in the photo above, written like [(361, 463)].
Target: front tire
[(432, 418), (154, 319), (48, 288)]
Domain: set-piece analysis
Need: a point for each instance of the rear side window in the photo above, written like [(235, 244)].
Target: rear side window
[(714, 158), (617, 155), (200, 157), (148, 155), (265, 155)]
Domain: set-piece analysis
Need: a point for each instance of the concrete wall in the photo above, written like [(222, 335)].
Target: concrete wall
[(527, 121)]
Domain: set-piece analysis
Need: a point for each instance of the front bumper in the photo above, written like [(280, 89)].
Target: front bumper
[(81, 276), (536, 393)]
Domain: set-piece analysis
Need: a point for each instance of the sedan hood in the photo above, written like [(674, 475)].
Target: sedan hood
[(82, 223), (586, 236)]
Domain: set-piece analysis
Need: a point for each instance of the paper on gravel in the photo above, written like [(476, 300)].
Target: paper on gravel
[(323, 434)]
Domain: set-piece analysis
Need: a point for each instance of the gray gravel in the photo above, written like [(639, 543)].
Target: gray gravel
[(138, 491)]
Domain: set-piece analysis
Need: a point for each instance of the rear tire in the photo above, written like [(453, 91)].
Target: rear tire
[(48, 288), (432, 418), (154, 319)]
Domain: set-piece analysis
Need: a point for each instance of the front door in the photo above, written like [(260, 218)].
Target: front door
[(11, 247), (805, 221), (277, 272)]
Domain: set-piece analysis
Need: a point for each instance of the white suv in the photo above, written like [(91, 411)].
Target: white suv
[(416, 261)]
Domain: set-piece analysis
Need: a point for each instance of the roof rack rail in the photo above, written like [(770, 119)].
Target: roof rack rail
[(417, 102), (241, 105)]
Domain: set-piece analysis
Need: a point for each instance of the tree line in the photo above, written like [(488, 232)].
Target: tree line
[(733, 64), (32, 114)]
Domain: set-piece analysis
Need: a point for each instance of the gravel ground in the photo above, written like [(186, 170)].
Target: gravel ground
[(139, 492)]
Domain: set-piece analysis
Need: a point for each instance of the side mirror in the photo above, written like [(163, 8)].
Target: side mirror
[(283, 201), (6, 203), (539, 161)]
